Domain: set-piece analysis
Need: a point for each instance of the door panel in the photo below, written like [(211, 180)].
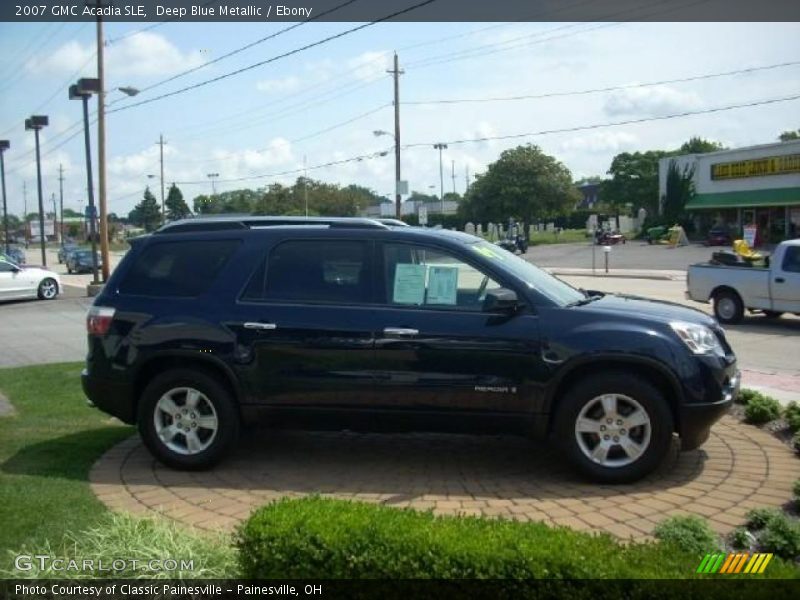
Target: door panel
[(305, 326), (436, 349), (785, 281), (462, 361)]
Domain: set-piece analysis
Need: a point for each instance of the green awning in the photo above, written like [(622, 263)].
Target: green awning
[(776, 197)]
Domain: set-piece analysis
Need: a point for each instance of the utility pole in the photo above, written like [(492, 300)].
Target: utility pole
[(25, 211), (305, 182), (466, 179), (101, 144), (212, 177), (396, 72), (4, 145), (55, 212), (161, 143), (453, 175), (61, 197), (441, 147)]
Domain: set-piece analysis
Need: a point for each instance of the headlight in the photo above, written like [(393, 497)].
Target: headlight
[(698, 338)]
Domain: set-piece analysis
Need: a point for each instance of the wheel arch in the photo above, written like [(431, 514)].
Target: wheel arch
[(653, 371), (161, 363), (725, 288)]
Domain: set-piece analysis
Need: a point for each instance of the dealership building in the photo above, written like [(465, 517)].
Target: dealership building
[(754, 186)]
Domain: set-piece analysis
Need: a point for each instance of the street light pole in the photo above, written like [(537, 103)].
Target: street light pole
[(36, 123), (441, 147), (61, 199), (83, 91), (101, 145), (4, 145), (161, 143), (212, 177)]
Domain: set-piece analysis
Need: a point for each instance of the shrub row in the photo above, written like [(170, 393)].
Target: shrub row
[(336, 539), (760, 408)]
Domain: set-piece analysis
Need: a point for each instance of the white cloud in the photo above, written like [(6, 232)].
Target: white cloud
[(280, 85), (600, 142), (143, 55), (650, 101), (369, 66)]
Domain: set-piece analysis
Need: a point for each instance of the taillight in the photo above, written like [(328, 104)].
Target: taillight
[(98, 320)]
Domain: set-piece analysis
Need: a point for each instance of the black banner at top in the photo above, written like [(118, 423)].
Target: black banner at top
[(399, 10)]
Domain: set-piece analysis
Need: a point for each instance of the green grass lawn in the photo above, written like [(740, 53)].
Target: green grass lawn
[(567, 236), (46, 450)]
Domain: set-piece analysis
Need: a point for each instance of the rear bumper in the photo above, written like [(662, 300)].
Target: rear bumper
[(696, 419), (110, 397)]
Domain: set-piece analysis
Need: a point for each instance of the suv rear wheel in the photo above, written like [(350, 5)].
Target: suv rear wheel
[(614, 427), (188, 420)]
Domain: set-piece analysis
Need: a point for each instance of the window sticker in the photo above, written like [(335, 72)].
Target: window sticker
[(442, 285), (409, 284)]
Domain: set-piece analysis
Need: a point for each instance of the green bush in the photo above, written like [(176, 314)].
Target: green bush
[(336, 539), (796, 442), (762, 409), (688, 532), (759, 517), (792, 415), (746, 394), (796, 491), (781, 535), (740, 538)]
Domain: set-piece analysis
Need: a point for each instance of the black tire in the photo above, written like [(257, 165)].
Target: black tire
[(48, 289), (228, 422), (773, 314), (585, 393), (728, 307)]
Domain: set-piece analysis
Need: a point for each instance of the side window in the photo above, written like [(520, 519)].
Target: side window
[(791, 260), (420, 276), (335, 271), (177, 269), (5, 267)]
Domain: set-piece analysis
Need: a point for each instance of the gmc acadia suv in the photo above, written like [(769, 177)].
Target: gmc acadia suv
[(212, 323)]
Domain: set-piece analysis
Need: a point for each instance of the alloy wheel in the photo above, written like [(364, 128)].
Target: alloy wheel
[(613, 430)]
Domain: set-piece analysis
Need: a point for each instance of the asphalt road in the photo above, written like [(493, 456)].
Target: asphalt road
[(633, 255)]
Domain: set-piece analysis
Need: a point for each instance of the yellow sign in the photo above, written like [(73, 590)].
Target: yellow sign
[(757, 167)]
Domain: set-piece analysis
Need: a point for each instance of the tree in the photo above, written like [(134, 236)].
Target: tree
[(72, 214), (175, 205), (634, 180), (680, 189), (524, 183), (697, 145), (788, 136), (146, 214)]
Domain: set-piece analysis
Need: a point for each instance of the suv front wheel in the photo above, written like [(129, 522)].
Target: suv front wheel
[(615, 427), (188, 420)]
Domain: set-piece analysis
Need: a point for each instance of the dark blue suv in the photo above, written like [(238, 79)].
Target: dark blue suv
[(354, 324)]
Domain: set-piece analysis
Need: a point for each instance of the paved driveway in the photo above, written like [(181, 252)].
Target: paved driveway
[(739, 468)]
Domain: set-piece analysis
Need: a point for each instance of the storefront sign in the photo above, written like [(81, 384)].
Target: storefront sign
[(759, 167)]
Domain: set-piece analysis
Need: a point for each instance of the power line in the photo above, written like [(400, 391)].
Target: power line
[(274, 58), (370, 156), (247, 46), (612, 124), (602, 90)]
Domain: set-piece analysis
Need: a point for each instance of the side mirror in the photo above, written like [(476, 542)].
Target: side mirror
[(500, 300)]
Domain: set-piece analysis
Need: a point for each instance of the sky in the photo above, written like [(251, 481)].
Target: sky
[(323, 105)]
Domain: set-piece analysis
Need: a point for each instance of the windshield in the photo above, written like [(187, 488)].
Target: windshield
[(548, 286)]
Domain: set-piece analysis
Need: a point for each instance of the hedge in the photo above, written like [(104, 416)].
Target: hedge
[(336, 539)]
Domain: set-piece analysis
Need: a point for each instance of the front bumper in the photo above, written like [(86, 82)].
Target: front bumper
[(110, 397), (696, 419)]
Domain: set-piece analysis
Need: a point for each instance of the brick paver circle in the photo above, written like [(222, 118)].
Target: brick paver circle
[(739, 468)]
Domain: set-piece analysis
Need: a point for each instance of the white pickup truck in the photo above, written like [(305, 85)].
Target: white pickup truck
[(771, 290)]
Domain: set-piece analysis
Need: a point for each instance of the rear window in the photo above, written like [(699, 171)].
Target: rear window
[(177, 269)]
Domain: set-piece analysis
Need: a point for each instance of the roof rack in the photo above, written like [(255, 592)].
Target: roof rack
[(250, 222)]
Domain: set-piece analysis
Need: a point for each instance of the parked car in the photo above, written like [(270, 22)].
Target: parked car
[(718, 236), (771, 290), (15, 254), (80, 261), (610, 238), (65, 250), (346, 323), (17, 282)]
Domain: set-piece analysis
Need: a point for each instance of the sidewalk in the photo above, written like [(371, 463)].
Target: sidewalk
[(663, 275), (783, 387)]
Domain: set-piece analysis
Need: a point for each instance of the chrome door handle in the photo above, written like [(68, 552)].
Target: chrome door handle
[(261, 326), (400, 331)]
